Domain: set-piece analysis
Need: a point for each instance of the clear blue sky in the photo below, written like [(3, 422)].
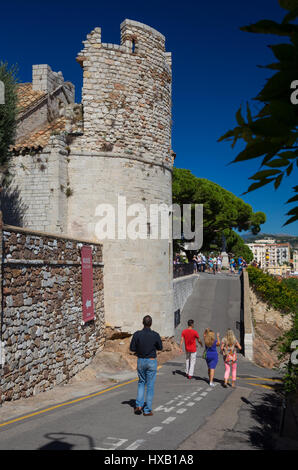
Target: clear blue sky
[(214, 71)]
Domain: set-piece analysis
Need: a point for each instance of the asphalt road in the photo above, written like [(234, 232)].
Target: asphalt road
[(214, 303), (182, 407)]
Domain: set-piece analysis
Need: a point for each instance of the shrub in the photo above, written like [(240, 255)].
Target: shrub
[(284, 297), (273, 291)]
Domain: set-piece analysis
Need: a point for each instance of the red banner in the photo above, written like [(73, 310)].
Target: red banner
[(87, 283)]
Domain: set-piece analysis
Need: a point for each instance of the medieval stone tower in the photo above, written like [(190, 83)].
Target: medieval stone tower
[(122, 149)]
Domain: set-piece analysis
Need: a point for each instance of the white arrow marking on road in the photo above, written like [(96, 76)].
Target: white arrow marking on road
[(112, 443)]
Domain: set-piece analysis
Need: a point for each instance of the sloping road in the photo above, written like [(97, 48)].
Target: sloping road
[(188, 414)]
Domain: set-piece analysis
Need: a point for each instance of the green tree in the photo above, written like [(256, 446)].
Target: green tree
[(237, 247), (222, 210), (272, 133), (8, 110)]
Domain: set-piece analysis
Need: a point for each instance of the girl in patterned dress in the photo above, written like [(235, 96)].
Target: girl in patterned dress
[(228, 349)]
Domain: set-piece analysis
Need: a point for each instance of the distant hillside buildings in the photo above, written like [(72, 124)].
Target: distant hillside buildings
[(271, 256)]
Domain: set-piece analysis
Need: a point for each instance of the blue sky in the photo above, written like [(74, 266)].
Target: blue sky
[(214, 72)]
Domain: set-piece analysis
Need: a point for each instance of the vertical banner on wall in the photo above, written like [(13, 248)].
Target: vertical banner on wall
[(87, 284)]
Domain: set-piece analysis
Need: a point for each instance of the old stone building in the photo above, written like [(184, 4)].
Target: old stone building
[(69, 159)]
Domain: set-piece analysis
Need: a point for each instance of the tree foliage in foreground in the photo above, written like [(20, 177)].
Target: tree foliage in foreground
[(222, 211), (272, 134), (8, 111)]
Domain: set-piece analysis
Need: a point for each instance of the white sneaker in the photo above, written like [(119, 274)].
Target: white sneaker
[(212, 384)]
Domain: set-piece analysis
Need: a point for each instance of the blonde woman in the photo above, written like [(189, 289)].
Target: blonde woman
[(228, 348), (211, 354)]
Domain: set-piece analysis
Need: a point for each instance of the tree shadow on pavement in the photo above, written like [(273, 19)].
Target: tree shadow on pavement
[(265, 411)]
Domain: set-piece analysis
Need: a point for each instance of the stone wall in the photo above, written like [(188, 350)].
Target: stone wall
[(246, 317), (57, 93), (37, 195), (45, 79), (44, 341), (183, 288), (138, 273), (125, 151), (261, 312), (127, 94)]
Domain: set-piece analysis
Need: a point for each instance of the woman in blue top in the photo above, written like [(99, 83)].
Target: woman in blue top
[(211, 353)]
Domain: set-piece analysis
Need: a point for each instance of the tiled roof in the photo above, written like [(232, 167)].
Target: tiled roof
[(27, 96), (39, 138)]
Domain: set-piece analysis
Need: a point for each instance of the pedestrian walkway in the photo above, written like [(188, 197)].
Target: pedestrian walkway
[(182, 408), (188, 414)]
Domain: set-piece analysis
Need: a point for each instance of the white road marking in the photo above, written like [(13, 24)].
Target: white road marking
[(180, 403), (198, 398), (163, 408), (154, 430), (169, 420), (170, 402), (182, 410), (135, 444), (112, 443), (203, 394), (191, 403)]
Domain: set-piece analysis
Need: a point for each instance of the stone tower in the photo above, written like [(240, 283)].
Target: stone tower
[(125, 150), (118, 146)]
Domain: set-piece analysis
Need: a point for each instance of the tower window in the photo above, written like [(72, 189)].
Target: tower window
[(133, 48)]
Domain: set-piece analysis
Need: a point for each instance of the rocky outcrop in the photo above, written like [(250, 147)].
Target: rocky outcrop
[(269, 325)]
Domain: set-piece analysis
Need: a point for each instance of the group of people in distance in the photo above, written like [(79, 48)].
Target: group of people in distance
[(228, 348), (241, 264), (211, 263), (146, 342)]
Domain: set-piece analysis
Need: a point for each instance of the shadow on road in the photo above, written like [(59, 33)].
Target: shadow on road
[(266, 412), (131, 402), (196, 377), (58, 441)]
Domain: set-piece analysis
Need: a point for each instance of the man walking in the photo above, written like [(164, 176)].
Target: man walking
[(145, 343), (189, 336)]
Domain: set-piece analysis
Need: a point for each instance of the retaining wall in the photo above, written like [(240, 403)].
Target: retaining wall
[(44, 341), (183, 287), (247, 318)]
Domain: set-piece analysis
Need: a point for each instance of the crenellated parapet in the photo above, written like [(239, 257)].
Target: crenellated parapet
[(126, 94)]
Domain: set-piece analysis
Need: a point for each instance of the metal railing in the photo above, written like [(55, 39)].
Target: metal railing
[(183, 269)]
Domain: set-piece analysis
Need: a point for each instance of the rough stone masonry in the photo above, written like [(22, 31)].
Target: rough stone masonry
[(44, 342), (121, 147)]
